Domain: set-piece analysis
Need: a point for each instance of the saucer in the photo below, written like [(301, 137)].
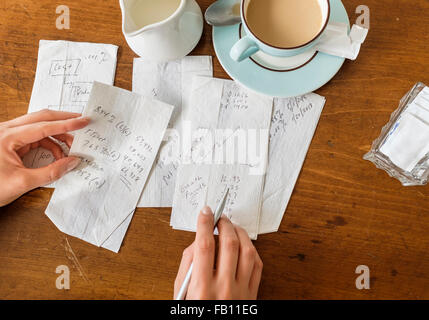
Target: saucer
[(279, 76)]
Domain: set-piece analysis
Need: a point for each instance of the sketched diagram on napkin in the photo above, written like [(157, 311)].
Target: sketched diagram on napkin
[(64, 67), (65, 74)]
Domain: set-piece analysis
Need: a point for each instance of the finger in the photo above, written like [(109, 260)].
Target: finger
[(246, 260), (255, 279), (204, 250), (187, 257), (46, 175), (43, 115), (226, 266), (20, 136), (66, 138)]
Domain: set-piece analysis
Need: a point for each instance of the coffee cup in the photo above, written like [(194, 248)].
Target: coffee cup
[(281, 28)]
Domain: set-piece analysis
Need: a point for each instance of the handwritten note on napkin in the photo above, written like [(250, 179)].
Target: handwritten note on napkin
[(293, 125), (118, 149), (171, 83), (65, 73), (228, 149)]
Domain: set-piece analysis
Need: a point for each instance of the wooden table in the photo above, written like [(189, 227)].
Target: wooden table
[(343, 213)]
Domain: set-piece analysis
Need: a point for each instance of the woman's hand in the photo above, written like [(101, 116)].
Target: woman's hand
[(19, 136), (238, 266)]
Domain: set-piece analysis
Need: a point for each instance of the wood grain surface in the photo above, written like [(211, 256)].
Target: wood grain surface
[(343, 213)]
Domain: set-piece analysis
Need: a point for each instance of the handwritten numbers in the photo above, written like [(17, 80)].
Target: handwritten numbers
[(63, 280), (363, 19), (63, 20), (233, 184), (144, 144), (97, 58)]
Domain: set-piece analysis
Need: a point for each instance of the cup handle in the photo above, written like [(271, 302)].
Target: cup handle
[(243, 49)]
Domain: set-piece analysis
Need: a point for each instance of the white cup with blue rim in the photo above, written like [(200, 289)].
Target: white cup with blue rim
[(250, 44)]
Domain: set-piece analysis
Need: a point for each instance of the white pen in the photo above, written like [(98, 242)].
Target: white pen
[(218, 213)]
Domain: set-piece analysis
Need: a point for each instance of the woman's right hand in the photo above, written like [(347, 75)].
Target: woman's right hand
[(236, 273)]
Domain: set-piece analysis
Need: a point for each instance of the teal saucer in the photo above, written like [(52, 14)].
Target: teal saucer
[(279, 77)]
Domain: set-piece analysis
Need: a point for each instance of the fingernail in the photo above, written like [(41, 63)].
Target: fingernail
[(207, 211), (73, 164), (84, 119)]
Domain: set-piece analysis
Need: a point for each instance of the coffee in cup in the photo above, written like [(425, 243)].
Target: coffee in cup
[(284, 23)]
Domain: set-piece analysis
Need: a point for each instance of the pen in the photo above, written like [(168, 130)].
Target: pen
[(218, 213)]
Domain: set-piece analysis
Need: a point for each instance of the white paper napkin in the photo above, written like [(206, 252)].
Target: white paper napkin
[(292, 128), (171, 83), (95, 201), (223, 111), (65, 73), (338, 42)]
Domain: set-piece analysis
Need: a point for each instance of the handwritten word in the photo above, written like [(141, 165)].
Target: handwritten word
[(301, 112), (278, 123), (95, 135), (193, 190), (166, 178), (80, 91)]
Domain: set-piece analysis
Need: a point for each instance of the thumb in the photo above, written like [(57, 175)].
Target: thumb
[(53, 172)]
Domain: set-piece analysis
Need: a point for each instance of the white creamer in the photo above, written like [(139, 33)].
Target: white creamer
[(147, 12), (161, 30)]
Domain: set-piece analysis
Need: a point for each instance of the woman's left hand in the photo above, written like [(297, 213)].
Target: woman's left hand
[(19, 136)]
